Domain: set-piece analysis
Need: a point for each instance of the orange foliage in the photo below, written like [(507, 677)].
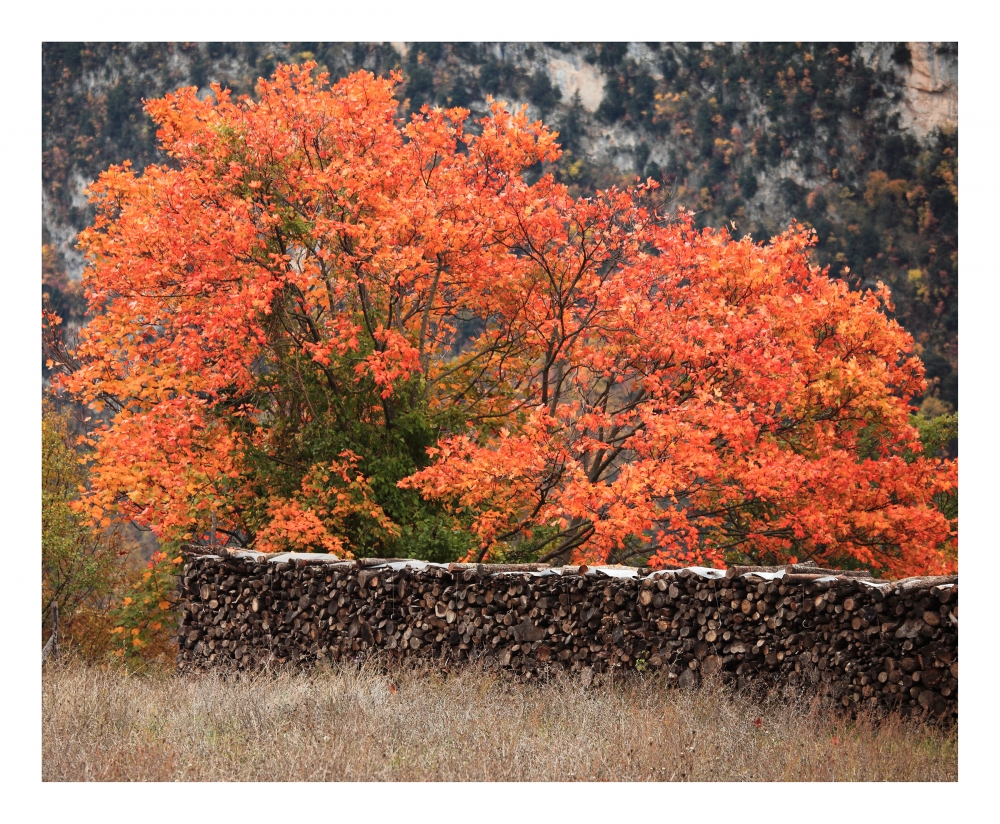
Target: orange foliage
[(708, 395), (634, 379), (312, 517)]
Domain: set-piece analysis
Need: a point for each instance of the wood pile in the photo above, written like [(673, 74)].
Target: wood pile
[(794, 629)]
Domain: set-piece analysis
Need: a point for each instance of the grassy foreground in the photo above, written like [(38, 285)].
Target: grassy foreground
[(350, 725)]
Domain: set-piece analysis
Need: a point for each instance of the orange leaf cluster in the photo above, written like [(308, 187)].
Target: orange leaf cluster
[(599, 374)]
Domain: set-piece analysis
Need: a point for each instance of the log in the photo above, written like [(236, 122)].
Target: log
[(914, 584), (733, 571), (801, 578), (493, 568), (810, 569), (362, 563)]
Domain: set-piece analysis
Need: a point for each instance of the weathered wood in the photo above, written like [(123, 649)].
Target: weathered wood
[(799, 578), (893, 646), (362, 563), (733, 571), (51, 648), (913, 584), (491, 568), (809, 569)]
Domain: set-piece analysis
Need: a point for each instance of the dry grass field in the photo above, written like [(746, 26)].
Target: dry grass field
[(349, 725)]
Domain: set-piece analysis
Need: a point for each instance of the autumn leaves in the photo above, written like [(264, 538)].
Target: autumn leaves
[(311, 286)]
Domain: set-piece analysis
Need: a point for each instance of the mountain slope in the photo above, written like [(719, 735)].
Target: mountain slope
[(858, 141)]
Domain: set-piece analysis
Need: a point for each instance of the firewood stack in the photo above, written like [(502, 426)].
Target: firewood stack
[(794, 629)]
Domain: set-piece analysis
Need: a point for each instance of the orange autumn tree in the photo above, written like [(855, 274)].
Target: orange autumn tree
[(337, 331), (697, 396)]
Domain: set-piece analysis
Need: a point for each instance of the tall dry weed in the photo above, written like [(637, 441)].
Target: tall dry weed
[(346, 724)]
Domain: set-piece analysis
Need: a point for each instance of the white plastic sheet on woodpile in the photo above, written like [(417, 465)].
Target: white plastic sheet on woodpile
[(611, 572)]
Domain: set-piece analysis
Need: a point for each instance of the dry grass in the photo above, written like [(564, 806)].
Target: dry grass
[(348, 725)]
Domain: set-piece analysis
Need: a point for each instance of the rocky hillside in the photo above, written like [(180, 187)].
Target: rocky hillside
[(858, 140)]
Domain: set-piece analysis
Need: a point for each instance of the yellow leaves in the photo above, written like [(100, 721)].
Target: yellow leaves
[(127, 601), (164, 605), (916, 278)]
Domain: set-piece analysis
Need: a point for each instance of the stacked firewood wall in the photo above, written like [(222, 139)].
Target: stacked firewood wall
[(840, 635)]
